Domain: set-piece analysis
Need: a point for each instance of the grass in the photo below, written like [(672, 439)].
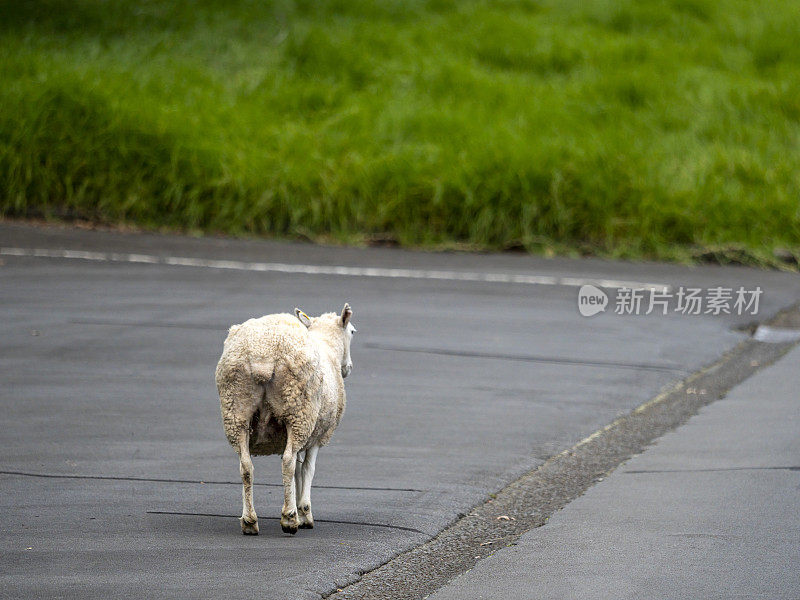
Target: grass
[(659, 128)]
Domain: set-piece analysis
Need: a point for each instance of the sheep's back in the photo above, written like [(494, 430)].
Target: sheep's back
[(270, 345), (280, 335)]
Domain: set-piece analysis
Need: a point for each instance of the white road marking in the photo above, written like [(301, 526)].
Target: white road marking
[(236, 265), (776, 335)]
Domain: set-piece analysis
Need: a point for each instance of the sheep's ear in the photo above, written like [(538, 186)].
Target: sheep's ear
[(304, 318), (347, 312)]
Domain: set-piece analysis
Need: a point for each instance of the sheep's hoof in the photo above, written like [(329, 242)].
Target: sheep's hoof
[(289, 528), (249, 528), (306, 519), (289, 523)]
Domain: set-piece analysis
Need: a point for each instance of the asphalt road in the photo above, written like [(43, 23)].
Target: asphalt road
[(117, 478)]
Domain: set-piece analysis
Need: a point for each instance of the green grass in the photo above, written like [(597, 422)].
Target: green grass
[(624, 128)]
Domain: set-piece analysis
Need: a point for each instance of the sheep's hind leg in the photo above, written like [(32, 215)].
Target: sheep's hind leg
[(298, 475), (289, 522), (304, 505), (239, 398), (249, 519)]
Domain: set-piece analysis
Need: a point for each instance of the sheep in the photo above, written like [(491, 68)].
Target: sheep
[(281, 391)]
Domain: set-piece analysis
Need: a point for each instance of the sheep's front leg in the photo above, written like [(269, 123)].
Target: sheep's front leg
[(289, 522), (249, 520), (304, 505)]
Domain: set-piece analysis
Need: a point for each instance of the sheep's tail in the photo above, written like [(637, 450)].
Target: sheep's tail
[(262, 370)]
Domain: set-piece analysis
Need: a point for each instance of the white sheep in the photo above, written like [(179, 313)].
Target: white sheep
[(281, 391)]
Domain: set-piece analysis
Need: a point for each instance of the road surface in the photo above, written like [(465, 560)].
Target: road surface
[(469, 371)]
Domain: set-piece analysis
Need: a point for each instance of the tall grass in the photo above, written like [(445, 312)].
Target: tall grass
[(627, 127)]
